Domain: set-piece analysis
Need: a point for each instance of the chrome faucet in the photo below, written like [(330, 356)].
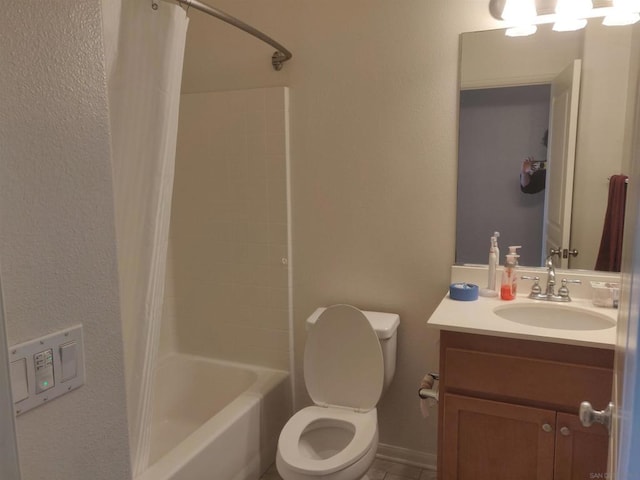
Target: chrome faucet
[(551, 275), (549, 293)]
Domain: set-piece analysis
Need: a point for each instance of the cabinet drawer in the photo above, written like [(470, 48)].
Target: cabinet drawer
[(531, 380)]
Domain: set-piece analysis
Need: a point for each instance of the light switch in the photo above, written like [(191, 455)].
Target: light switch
[(43, 362), (19, 380), (69, 360)]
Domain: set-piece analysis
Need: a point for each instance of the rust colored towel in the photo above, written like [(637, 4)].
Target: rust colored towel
[(610, 254)]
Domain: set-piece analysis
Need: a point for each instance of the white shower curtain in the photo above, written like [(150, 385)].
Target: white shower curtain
[(144, 54)]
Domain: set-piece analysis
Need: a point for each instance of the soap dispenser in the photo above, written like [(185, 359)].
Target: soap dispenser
[(494, 261), (509, 284)]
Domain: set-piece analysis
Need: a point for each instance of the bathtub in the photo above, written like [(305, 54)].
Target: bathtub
[(215, 420)]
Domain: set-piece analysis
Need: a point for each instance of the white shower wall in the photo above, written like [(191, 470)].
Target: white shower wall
[(227, 284)]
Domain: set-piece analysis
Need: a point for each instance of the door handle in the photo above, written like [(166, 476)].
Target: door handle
[(589, 416)]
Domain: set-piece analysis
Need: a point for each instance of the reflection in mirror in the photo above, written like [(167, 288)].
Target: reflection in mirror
[(559, 197)]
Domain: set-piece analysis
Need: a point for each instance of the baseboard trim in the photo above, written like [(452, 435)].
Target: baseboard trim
[(406, 456)]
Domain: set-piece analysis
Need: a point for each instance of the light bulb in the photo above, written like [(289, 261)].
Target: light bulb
[(521, 31), (519, 11), (571, 13), (573, 8), (569, 24), (625, 12)]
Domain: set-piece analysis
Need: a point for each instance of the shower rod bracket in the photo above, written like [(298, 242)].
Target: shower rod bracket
[(277, 60)]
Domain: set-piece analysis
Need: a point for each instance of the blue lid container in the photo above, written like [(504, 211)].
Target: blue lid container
[(465, 292)]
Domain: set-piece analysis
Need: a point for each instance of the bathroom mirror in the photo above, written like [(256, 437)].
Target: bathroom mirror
[(505, 104)]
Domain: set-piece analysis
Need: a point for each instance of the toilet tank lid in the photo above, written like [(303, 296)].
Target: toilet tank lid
[(384, 324)]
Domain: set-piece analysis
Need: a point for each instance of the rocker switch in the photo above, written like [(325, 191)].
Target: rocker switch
[(19, 384), (69, 361), (44, 370)]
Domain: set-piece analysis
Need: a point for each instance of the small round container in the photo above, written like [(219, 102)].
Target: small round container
[(465, 292)]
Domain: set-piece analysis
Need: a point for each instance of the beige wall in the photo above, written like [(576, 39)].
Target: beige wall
[(373, 91), (57, 242), (227, 289)]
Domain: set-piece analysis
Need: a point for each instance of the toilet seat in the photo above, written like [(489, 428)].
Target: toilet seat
[(365, 428), (343, 363)]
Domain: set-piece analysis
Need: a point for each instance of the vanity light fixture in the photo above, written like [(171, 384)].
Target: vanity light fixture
[(571, 15), (624, 12), (521, 13), (523, 16)]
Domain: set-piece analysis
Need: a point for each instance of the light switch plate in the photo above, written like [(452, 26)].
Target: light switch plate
[(68, 342)]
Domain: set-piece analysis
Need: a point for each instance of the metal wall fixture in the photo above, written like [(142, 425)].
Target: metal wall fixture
[(278, 58)]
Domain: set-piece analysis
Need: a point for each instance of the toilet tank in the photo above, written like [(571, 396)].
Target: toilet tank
[(386, 327)]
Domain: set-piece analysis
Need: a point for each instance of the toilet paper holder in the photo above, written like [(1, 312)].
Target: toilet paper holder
[(427, 391)]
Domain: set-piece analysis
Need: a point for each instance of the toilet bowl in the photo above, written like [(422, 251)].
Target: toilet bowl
[(328, 443), (344, 370)]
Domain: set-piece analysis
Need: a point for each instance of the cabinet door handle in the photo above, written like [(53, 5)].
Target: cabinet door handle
[(547, 428), (565, 431)]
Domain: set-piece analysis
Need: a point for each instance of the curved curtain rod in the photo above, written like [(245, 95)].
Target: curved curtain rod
[(277, 59)]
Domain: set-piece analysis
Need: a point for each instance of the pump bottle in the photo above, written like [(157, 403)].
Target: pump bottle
[(509, 284), (494, 261)]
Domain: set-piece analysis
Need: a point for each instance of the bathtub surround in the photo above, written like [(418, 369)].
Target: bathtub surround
[(144, 96), (228, 291), (227, 297), (57, 238)]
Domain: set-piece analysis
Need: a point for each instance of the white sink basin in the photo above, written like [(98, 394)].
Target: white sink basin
[(554, 315)]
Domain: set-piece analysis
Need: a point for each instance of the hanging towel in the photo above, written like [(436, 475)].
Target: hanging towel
[(610, 254)]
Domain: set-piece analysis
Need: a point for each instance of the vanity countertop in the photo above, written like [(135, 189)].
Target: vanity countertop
[(478, 317)]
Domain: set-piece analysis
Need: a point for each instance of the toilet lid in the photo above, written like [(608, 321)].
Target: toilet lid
[(343, 364)]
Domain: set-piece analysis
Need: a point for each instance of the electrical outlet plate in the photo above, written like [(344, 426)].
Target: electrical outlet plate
[(29, 351)]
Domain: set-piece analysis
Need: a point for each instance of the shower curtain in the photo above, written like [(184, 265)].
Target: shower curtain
[(144, 52)]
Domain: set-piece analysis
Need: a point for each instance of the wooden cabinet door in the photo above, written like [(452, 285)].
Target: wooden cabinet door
[(581, 453), (487, 440)]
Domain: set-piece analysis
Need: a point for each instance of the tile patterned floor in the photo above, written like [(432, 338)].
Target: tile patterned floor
[(380, 470)]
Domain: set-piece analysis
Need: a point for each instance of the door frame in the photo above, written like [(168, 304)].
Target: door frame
[(625, 434), (9, 464), (561, 153)]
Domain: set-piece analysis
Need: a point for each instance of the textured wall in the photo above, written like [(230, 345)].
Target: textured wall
[(57, 243), (373, 91)]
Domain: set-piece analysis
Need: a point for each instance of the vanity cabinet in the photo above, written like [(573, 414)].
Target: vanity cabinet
[(508, 409)]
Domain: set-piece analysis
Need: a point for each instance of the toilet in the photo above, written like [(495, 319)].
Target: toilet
[(349, 360)]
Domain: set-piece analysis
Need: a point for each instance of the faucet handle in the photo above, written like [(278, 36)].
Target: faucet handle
[(563, 291), (535, 288)]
